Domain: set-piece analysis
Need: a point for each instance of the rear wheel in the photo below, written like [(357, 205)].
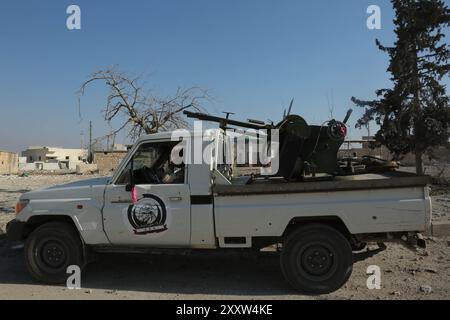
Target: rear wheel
[(50, 249), (316, 259)]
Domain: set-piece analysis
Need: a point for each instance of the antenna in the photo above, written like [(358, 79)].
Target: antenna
[(290, 107), (288, 112), (331, 103)]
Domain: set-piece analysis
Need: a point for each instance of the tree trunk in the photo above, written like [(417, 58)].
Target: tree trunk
[(419, 163)]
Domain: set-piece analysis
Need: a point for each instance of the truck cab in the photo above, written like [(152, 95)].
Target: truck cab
[(178, 197)]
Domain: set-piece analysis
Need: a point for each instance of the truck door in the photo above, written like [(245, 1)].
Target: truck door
[(149, 203)]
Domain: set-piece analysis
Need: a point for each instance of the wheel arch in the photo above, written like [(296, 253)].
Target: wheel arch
[(331, 221), (38, 220)]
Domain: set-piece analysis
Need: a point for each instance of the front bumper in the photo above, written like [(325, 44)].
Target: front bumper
[(16, 230)]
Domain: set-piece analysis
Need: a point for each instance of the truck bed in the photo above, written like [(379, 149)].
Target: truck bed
[(391, 180), (364, 204)]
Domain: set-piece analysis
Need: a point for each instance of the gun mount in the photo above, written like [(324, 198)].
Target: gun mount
[(304, 149)]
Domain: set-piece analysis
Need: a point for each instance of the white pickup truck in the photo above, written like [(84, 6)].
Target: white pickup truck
[(315, 224)]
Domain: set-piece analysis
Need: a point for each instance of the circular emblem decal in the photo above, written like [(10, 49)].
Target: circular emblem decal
[(148, 215)]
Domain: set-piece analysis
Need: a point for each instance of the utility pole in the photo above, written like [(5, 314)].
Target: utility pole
[(113, 140), (81, 139), (90, 142)]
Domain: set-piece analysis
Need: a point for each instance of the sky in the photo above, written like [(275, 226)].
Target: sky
[(253, 56)]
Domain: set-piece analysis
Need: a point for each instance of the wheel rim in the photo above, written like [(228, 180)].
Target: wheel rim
[(53, 254), (317, 261)]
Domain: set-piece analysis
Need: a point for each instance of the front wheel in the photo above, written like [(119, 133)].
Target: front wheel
[(316, 259), (50, 249)]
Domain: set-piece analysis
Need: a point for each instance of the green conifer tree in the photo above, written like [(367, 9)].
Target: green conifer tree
[(414, 115)]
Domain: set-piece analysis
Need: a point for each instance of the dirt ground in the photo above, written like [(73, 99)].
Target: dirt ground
[(404, 274)]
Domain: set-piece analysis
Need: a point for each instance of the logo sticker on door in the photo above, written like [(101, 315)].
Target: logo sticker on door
[(148, 215)]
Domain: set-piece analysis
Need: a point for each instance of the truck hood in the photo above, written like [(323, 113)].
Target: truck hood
[(82, 188), (82, 183)]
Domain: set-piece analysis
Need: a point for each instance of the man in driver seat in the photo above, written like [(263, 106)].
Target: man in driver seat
[(160, 171), (172, 173)]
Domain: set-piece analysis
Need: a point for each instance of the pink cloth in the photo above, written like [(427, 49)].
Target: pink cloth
[(134, 196)]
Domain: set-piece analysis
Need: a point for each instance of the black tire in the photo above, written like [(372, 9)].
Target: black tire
[(316, 259), (50, 249)]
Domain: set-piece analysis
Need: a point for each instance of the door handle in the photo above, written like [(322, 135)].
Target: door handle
[(175, 198)]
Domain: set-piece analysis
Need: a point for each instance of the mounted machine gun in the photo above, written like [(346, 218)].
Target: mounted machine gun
[(304, 149)]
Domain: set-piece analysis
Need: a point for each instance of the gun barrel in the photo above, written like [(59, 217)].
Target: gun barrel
[(225, 122)]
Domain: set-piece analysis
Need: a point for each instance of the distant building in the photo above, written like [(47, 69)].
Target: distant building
[(9, 162), (65, 158)]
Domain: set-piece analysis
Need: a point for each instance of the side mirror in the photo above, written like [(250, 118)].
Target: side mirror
[(129, 187)]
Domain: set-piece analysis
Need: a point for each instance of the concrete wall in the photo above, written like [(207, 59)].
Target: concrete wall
[(28, 166), (9, 162), (107, 162)]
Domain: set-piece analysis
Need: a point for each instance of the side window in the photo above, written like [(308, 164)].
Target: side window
[(151, 165)]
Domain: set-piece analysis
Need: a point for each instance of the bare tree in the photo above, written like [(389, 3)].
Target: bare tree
[(143, 113)]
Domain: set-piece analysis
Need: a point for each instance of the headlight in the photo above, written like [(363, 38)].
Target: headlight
[(21, 205)]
